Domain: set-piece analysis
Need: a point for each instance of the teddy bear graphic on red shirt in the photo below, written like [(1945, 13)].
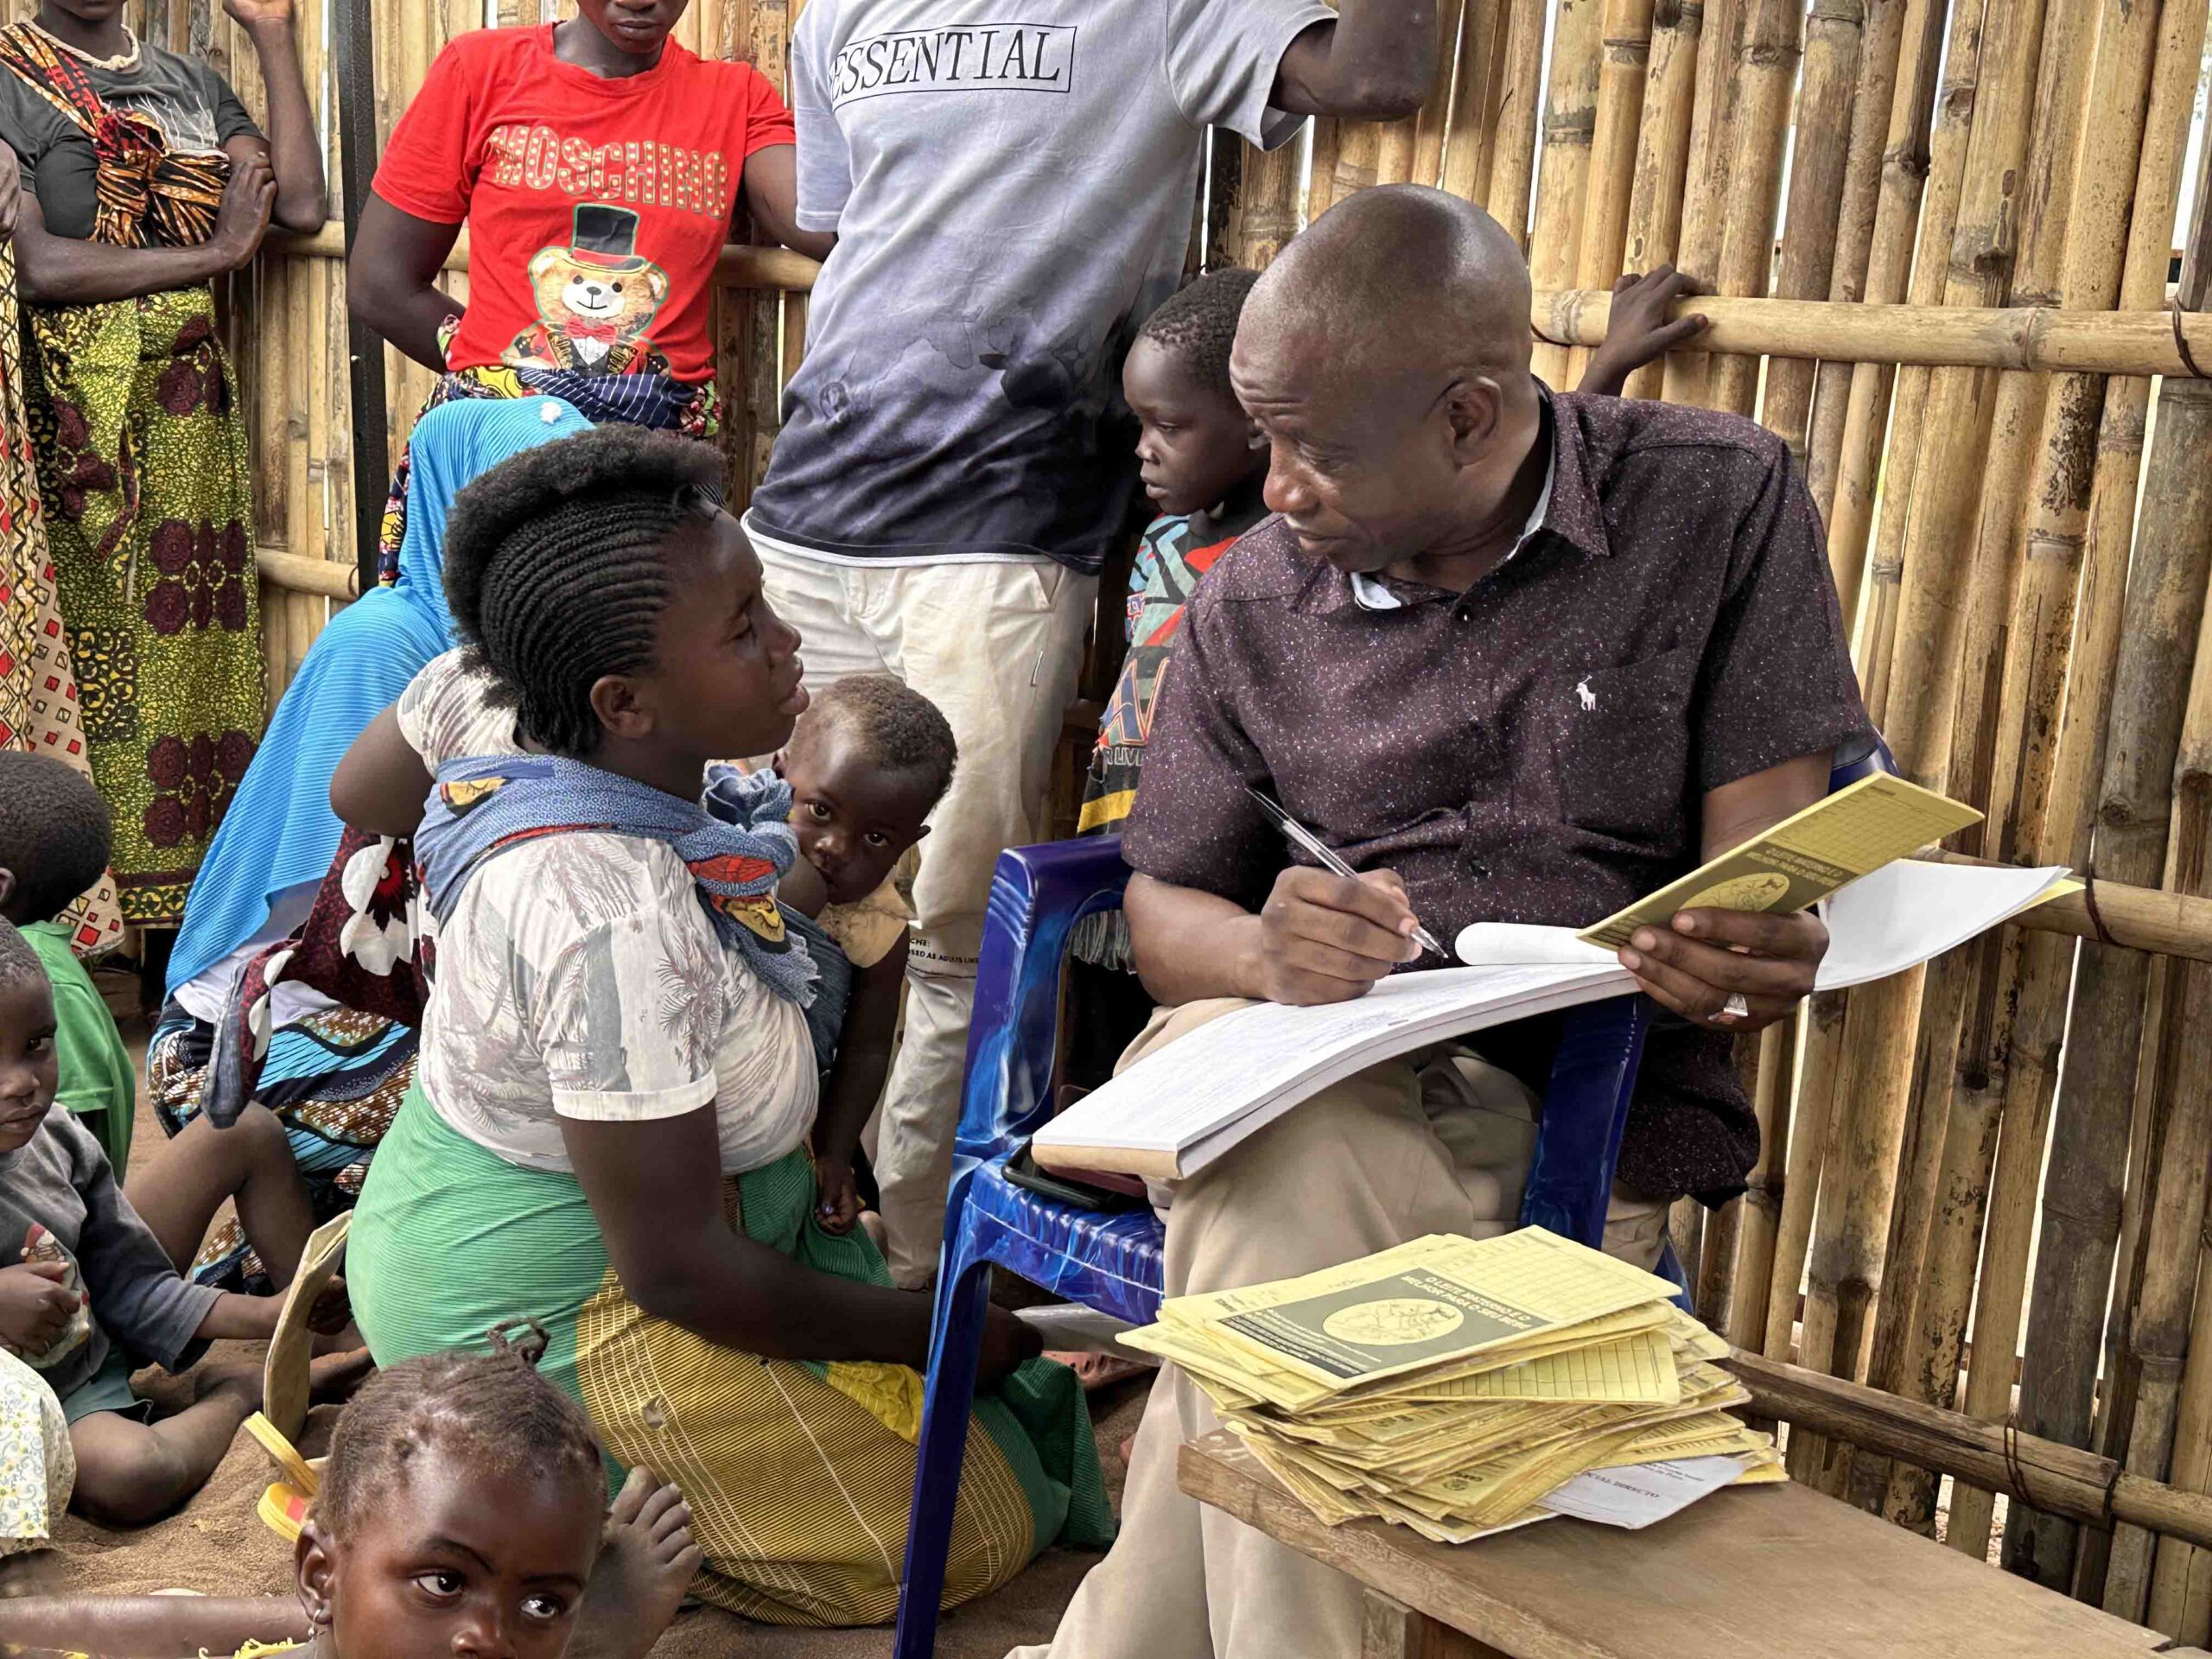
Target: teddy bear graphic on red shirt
[(596, 300)]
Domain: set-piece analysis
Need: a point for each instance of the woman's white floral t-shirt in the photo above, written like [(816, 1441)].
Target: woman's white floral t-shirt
[(578, 976)]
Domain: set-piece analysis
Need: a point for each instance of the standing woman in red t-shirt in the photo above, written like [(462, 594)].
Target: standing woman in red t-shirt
[(598, 166), (148, 180)]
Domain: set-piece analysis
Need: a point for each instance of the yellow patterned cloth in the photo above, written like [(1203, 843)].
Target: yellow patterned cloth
[(798, 1475), (39, 701)]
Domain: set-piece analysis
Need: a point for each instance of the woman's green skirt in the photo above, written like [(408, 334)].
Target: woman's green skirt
[(798, 1475)]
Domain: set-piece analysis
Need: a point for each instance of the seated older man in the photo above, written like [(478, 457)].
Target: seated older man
[(1518, 655)]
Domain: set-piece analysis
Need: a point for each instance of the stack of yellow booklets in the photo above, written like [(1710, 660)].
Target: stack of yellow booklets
[(1462, 1387)]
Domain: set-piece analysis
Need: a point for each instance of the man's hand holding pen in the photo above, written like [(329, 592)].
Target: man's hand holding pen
[(1327, 937)]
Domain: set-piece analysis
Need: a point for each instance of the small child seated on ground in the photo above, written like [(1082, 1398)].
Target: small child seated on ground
[(463, 1510), (96, 1288), (55, 834), (867, 764)]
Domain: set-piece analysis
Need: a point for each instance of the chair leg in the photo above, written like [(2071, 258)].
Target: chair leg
[(955, 1346)]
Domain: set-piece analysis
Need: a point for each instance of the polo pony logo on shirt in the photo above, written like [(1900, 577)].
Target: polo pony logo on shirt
[(596, 300), (1582, 690)]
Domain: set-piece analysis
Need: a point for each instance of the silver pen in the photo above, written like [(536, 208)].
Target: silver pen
[(1300, 836)]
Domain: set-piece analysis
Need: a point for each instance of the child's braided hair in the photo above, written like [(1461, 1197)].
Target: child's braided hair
[(556, 567), (494, 1407)]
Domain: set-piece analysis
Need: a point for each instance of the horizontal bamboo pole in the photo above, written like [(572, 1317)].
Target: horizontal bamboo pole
[(2059, 1479), (741, 266), (1994, 337), (298, 573)]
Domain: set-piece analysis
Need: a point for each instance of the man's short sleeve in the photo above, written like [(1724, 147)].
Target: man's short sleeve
[(426, 169), (1221, 57), (767, 120), (825, 165), (1193, 825), (1777, 681)]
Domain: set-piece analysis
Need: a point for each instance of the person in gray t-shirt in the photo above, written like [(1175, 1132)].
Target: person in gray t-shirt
[(1011, 190)]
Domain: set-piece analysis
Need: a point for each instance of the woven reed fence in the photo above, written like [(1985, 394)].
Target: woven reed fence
[(1950, 297)]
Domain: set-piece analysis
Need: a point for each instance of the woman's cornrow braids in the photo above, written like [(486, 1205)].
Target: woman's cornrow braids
[(556, 567)]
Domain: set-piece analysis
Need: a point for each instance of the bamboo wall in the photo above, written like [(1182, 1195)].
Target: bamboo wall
[(1972, 229)]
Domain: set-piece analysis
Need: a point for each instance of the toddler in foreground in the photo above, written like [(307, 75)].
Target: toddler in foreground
[(93, 1288), (867, 764), (463, 1511)]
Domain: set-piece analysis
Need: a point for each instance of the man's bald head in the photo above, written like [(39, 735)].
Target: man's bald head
[(1397, 278), (1384, 355)]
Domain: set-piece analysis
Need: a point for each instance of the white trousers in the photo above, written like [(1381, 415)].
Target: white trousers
[(1435, 1141), (998, 648)]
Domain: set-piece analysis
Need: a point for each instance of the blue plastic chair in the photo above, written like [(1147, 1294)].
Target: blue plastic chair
[(1111, 1261)]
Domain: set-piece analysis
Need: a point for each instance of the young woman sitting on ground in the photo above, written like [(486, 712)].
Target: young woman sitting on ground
[(605, 1129)]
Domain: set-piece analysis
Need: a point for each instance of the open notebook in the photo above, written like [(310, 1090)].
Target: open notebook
[(1178, 1110)]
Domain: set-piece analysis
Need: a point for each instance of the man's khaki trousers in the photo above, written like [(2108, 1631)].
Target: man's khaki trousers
[(1436, 1141)]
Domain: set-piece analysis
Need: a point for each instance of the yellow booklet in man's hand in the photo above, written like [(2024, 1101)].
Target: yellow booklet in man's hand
[(1803, 859)]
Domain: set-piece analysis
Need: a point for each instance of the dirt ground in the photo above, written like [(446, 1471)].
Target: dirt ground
[(217, 1546)]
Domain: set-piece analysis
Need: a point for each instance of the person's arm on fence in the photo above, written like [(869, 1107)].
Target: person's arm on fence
[(771, 191), (65, 271), (294, 147), (1640, 331)]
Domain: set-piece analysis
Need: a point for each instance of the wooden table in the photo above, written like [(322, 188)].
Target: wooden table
[(1758, 1573)]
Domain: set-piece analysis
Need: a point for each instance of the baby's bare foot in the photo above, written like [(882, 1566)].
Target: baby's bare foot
[(647, 1562)]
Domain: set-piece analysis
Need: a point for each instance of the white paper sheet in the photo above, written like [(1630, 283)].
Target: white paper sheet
[(1903, 914), (1637, 1494)]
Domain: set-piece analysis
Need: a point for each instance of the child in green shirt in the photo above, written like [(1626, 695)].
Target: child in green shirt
[(54, 837)]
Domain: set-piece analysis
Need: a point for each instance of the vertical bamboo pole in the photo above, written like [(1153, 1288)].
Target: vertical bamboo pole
[(1470, 134), (1267, 207), (2146, 1143), (2080, 1216), (1624, 57), (1655, 208), (1887, 27), (1765, 68), (1821, 1085), (2028, 1001), (1570, 120), (1935, 207), (2158, 1325), (1327, 132), (1834, 33), (1429, 126), (1704, 185), (730, 27), (2181, 1581), (1513, 151), (771, 31), (1761, 1208)]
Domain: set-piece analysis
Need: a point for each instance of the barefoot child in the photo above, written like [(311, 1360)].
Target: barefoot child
[(54, 841), (96, 1288), (867, 763), (463, 1511)]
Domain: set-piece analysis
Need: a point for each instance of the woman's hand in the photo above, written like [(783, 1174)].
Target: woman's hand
[(259, 13), (1007, 1343), (243, 218), (1708, 957), (11, 192), (837, 1195), (36, 1306)]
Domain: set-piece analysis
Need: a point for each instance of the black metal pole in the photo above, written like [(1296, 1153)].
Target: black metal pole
[(356, 142)]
